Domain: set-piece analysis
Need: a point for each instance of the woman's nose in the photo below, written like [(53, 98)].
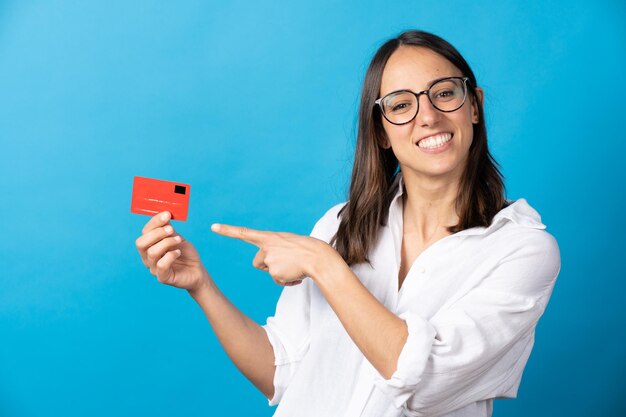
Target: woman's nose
[(427, 114)]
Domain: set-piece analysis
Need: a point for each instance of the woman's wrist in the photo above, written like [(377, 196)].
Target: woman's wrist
[(328, 268), (204, 287)]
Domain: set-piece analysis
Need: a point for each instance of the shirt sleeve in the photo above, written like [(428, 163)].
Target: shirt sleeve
[(288, 333), (289, 329), (477, 347)]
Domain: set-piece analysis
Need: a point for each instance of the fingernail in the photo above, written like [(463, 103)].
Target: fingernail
[(177, 238), (168, 229), (177, 251), (215, 227), (165, 216)]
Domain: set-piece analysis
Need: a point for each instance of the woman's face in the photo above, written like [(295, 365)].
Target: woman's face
[(415, 68)]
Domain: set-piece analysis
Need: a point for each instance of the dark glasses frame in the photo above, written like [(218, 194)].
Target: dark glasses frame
[(379, 102)]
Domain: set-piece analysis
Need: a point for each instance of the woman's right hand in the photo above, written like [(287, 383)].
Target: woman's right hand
[(171, 258)]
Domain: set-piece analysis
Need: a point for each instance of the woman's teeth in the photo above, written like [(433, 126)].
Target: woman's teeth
[(435, 141)]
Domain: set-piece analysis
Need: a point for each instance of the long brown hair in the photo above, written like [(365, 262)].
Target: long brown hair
[(481, 191)]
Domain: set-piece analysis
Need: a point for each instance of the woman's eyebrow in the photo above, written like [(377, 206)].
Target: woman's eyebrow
[(430, 84)]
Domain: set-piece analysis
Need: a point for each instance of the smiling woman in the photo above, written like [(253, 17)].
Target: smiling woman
[(420, 295)]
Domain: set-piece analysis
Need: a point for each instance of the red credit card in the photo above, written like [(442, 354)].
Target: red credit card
[(151, 196)]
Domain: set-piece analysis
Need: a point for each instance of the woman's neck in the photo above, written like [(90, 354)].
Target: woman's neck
[(429, 206)]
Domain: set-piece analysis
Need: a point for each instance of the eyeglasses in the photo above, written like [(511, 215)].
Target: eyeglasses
[(446, 95)]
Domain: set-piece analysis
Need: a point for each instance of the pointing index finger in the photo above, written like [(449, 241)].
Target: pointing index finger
[(255, 237)]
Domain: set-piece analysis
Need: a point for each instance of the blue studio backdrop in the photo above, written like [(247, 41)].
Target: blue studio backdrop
[(254, 104)]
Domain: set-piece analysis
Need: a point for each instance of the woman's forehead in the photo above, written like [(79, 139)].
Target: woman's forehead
[(415, 68)]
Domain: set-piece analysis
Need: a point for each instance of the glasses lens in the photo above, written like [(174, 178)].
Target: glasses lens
[(400, 107), (447, 95)]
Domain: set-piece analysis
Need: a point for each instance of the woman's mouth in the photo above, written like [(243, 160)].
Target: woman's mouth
[(435, 141)]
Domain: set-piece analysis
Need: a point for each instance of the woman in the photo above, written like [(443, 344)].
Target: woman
[(423, 290)]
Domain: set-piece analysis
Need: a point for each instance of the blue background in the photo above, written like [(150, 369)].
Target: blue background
[(254, 104)]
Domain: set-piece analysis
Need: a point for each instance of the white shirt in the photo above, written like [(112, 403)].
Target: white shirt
[(471, 302)]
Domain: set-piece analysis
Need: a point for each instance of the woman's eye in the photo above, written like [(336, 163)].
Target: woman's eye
[(444, 94), (399, 107)]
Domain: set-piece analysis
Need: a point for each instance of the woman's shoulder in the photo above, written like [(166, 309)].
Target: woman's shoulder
[(519, 216), (327, 225), (519, 226)]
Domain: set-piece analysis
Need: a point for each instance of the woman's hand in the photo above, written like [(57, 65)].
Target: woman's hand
[(171, 258), (287, 257)]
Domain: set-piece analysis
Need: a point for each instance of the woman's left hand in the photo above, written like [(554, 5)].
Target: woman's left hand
[(287, 257)]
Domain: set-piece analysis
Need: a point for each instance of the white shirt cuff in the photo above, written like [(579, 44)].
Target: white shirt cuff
[(285, 366), (411, 362)]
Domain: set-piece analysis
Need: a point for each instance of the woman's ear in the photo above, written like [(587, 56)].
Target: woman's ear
[(475, 103), (383, 142)]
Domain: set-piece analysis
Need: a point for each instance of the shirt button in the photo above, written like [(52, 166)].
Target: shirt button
[(422, 270)]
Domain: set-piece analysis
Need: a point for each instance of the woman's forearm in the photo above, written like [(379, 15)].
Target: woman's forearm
[(378, 333), (245, 342)]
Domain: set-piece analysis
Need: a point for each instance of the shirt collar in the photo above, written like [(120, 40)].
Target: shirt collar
[(518, 212)]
